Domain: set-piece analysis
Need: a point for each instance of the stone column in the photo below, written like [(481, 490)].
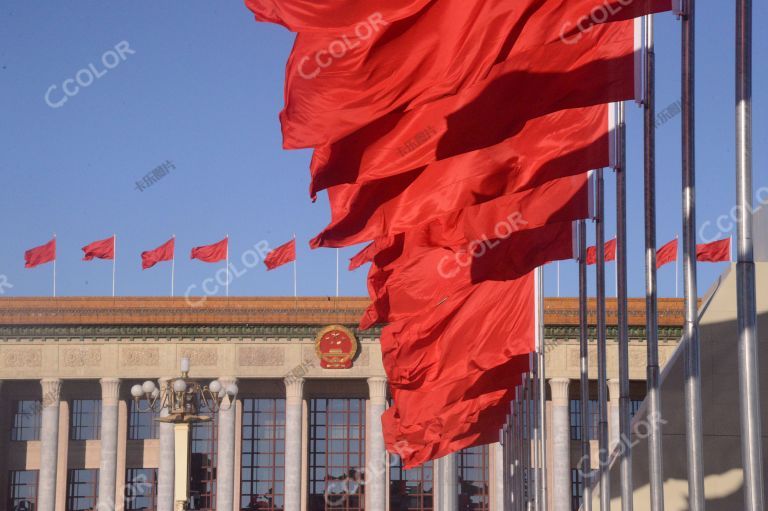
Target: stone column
[(561, 445), (166, 469), (294, 394), (614, 394), (225, 467), (450, 482), (110, 393), (49, 444), (376, 457)]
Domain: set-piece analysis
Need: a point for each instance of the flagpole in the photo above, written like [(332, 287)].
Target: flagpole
[(227, 267), (295, 287), (655, 458), (625, 416), (677, 271), (542, 390), (749, 381), (55, 255), (173, 263), (692, 385), (602, 374), (114, 261), (558, 279), (337, 273), (586, 450)]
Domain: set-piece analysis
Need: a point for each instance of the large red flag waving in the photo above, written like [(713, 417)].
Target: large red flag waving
[(667, 254), (283, 254), (102, 249), (162, 253), (715, 252), (40, 255), (212, 253)]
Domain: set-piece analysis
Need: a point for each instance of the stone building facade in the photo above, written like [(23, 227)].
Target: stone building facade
[(304, 434)]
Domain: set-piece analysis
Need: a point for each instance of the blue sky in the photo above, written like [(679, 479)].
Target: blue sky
[(202, 89)]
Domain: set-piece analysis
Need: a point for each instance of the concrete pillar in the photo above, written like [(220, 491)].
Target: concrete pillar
[(449, 478), (561, 445), (376, 464), (49, 444), (614, 394), (225, 467), (294, 395), (110, 393), (496, 455), (165, 471)]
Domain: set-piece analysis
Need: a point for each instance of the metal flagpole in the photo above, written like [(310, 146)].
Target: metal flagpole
[(295, 287), (749, 382), (114, 261), (227, 267), (677, 272), (533, 386), (558, 279), (625, 417), (542, 390), (586, 451), (173, 264), (505, 474), (530, 462), (602, 374), (337, 273), (54, 266), (693, 416), (655, 458)]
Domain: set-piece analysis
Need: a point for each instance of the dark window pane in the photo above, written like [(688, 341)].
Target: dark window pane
[(473, 479), (142, 425), (22, 490), (140, 489), (82, 489), (85, 419), (25, 425), (262, 460)]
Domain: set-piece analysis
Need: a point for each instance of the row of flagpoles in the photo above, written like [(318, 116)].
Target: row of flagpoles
[(213, 253), (465, 161)]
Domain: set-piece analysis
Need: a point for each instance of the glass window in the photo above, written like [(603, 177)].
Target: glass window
[(140, 489), (410, 490), (473, 478), (82, 489), (634, 406), (85, 419), (575, 409), (142, 425), (22, 490), (577, 486), (263, 455), (202, 486), (26, 420), (336, 454)]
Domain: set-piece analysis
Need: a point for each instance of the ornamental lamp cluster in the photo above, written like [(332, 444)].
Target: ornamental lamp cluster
[(184, 398)]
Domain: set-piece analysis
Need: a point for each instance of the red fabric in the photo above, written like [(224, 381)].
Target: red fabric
[(407, 279), (666, 254), (102, 249), (211, 253), (338, 81), (283, 254), (609, 253), (598, 69), (550, 147), (162, 253), (329, 15), (365, 256), (40, 255), (715, 252)]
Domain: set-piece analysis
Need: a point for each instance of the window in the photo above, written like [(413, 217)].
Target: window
[(473, 478), (577, 487), (575, 409), (85, 419), (22, 490), (82, 489), (202, 486), (140, 489), (26, 420), (336, 454), (142, 425), (634, 406), (263, 455), (410, 490), (593, 425)]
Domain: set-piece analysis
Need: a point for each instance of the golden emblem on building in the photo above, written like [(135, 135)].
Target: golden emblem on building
[(336, 347)]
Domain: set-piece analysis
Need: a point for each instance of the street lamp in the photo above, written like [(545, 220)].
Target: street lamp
[(183, 398)]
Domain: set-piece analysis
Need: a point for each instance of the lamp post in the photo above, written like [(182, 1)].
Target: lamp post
[(183, 398)]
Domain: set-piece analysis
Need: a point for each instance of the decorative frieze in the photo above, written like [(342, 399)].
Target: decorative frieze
[(81, 357), (22, 357), (145, 356), (200, 356), (260, 356)]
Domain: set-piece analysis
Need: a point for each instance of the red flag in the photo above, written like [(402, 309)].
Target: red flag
[(212, 253), (597, 69), (386, 65), (102, 249), (162, 253), (283, 254), (550, 147), (363, 257), (609, 252), (40, 255), (666, 254), (715, 252)]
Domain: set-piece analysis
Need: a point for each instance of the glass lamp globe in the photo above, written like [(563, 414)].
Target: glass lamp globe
[(148, 387), (232, 389), (179, 385), (155, 393), (137, 391), (215, 386)]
